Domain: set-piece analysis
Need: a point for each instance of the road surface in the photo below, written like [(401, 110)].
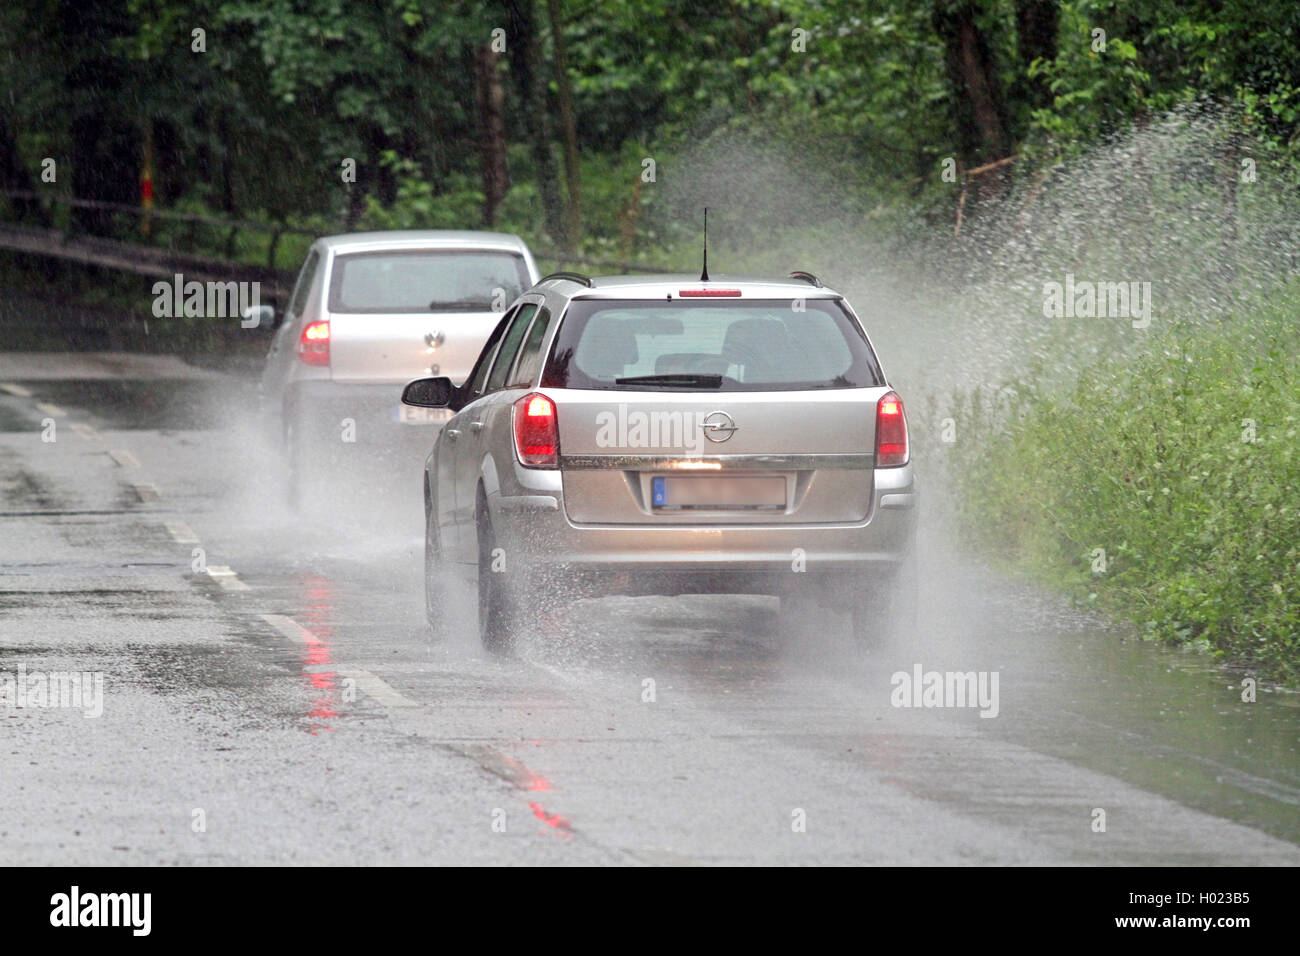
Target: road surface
[(270, 694)]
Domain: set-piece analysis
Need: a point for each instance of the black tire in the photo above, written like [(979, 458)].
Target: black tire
[(435, 580), (497, 602), (298, 458), (798, 613), (885, 607)]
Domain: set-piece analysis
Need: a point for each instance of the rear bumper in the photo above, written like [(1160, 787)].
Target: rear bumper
[(529, 519)]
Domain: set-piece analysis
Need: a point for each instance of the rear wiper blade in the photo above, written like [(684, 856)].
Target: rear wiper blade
[(688, 379), (460, 305)]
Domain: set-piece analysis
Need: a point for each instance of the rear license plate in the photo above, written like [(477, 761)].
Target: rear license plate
[(717, 493), (417, 415)]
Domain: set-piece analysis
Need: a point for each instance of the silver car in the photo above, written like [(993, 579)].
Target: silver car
[(640, 435), (369, 312)]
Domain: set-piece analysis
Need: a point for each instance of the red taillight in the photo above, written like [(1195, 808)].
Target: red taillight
[(708, 293), (537, 435), (314, 344), (891, 431)]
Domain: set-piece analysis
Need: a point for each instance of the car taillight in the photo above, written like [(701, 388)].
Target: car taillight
[(314, 344), (891, 431), (537, 435), (708, 293)]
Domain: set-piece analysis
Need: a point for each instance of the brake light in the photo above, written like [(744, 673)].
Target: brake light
[(708, 293), (537, 436), (891, 432), (314, 344)]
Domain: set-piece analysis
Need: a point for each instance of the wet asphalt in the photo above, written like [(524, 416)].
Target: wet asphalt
[(270, 693)]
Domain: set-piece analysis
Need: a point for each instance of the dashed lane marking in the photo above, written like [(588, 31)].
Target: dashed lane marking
[(146, 491), (15, 390), (181, 532), (291, 629), (377, 688), (124, 458), (226, 578), (85, 431), (52, 410), (370, 684)]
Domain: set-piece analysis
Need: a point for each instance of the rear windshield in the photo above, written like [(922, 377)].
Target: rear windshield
[(450, 280), (746, 345)]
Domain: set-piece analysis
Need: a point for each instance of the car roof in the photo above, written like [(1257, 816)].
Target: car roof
[(422, 239), (660, 286)]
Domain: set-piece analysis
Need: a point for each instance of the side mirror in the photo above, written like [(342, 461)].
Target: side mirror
[(429, 393), (258, 317)]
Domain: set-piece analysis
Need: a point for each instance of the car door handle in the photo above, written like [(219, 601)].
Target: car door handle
[(453, 434), (476, 427)]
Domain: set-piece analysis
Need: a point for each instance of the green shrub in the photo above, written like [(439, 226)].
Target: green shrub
[(1152, 461)]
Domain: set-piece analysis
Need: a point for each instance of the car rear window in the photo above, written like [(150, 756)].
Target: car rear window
[(740, 345), (425, 280)]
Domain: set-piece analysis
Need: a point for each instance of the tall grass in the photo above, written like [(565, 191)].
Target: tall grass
[(1162, 487)]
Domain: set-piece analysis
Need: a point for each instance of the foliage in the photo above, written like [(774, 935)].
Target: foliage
[(1180, 466)]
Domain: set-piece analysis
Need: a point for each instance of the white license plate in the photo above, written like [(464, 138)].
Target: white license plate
[(717, 493), (417, 415)]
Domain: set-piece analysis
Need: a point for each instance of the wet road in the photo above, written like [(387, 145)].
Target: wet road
[(270, 694)]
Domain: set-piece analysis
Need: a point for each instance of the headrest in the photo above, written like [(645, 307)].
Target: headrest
[(671, 362), (607, 347), (751, 341)]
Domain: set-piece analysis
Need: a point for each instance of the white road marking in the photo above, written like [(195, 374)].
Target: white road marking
[(181, 532), (371, 685), (291, 629), (377, 688), (146, 491), (85, 431), (15, 390), (227, 578), (52, 410), (124, 458)]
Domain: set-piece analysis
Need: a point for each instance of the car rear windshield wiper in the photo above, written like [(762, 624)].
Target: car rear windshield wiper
[(460, 305), (685, 379)]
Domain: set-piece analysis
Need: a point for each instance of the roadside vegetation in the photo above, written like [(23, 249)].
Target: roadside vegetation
[(1161, 488)]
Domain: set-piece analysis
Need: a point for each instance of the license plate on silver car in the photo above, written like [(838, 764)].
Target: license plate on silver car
[(718, 493), (415, 415)]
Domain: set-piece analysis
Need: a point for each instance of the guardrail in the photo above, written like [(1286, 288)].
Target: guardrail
[(141, 260), (154, 260)]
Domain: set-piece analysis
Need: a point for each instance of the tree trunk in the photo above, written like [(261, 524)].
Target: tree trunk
[(979, 107), (627, 220), (1036, 27), (572, 171), (15, 175), (526, 66), (224, 136), (491, 131), (105, 143)]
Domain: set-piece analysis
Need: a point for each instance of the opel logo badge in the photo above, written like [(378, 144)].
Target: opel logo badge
[(434, 339), (718, 426)]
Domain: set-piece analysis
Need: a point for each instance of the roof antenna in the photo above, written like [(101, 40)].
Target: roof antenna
[(704, 273)]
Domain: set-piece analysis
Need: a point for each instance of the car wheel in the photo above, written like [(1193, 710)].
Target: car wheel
[(435, 587), (297, 458), (496, 596), (798, 614), (885, 607)]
